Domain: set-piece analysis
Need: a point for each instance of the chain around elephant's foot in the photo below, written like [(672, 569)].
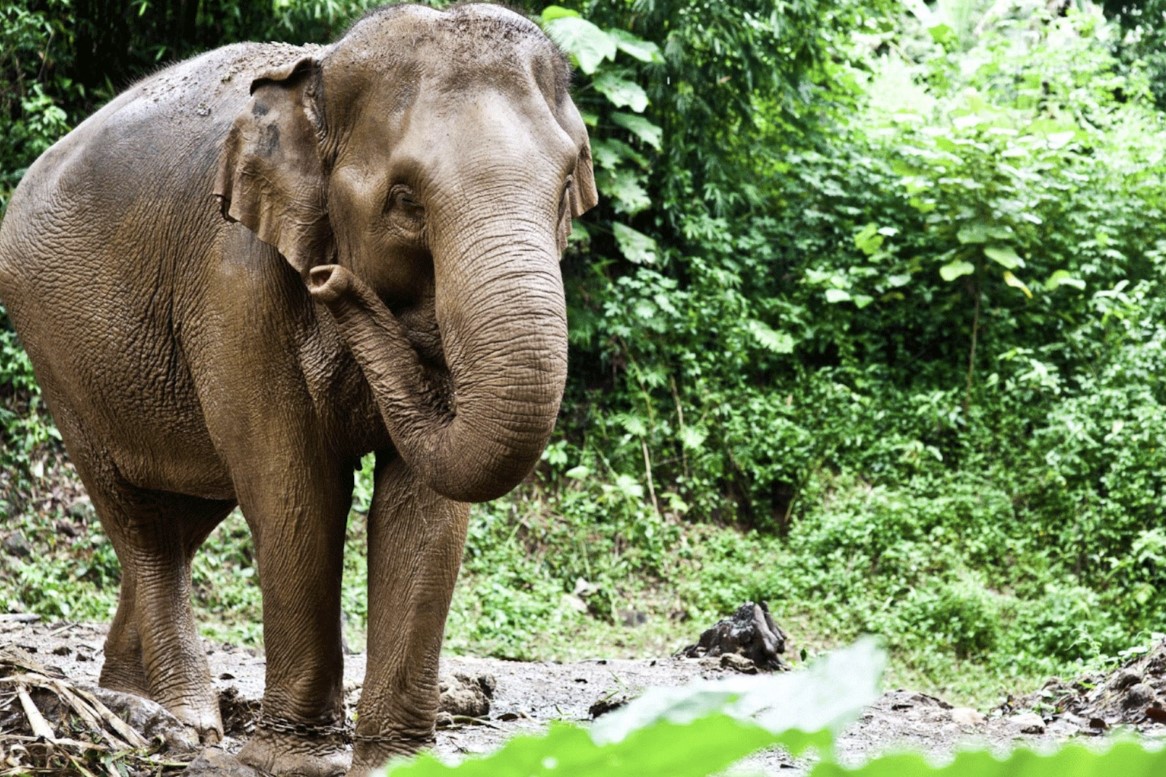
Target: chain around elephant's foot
[(284, 747), (372, 751)]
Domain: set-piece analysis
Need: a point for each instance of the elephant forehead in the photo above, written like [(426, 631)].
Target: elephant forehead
[(466, 45)]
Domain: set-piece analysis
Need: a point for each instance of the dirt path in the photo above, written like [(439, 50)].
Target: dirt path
[(526, 696)]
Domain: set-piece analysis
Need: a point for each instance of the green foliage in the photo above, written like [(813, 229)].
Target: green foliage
[(704, 728), (694, 731)]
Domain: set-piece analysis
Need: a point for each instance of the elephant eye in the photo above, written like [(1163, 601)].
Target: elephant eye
[(405, 208)]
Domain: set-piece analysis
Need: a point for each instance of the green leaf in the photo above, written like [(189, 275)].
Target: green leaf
[(822, 698), (835, 296), (621, 92), (639, 127), (868, 240), (981, 233), (1004, 256), (770, 339), (636, 247), (957, 269), (1016, 283), (693, 438), (1063, 278), (588, 44), (552, 12), (942, 34), (611, 152), (625, 187), (637, 48)]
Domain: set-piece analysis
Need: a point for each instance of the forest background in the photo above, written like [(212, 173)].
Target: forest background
[(870, 325)]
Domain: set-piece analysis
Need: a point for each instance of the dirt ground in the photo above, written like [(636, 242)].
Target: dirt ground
[(488, 700)]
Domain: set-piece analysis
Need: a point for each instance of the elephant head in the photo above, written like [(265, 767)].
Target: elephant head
[(425, 168)]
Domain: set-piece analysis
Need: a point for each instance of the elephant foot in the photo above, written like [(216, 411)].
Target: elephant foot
[(372, 752), (123, 674), (279, 753), (203, 717)]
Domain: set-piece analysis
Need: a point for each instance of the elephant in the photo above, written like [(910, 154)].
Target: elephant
[(259, 265)]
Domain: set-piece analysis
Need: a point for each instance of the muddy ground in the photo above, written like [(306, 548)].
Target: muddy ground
[(490, 700)]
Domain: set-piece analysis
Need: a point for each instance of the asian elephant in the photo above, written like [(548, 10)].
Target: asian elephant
[(260, 264)]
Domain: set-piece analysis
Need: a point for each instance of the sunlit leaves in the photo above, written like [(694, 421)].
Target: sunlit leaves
[(621, 92), (1005, 256), (588, 45), (957, 269), (769, 338), (640, 128), (637, 247)]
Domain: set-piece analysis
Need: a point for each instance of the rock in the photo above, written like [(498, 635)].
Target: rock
[(607, 703), (1125, 679), (750, 632), (966, 716), (1137, 697), (464, 695), (1027, 723), (215, 762), (16, 545), (738, 663)]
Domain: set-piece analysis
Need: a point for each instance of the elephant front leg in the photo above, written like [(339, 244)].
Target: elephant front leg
[(297, 520), (415, 540)]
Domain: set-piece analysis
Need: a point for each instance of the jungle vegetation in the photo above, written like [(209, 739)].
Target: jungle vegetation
[(870, 325)]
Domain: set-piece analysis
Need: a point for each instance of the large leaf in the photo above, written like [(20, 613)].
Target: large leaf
[(552, 12), (640, 127), (770, 339), (643, 50), (588, 44), (621, 92), (634, 245), (625, 188), (957, 269), (822, 698), (1063, 278), (1004, 256)]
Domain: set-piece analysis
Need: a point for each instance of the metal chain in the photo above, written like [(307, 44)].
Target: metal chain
[(341, 732), (304, 730), (412, 743)]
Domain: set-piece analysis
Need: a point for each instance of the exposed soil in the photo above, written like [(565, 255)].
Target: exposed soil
[(486, 701)]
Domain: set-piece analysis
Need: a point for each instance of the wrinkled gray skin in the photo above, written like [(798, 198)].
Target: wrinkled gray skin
[(260, 264)]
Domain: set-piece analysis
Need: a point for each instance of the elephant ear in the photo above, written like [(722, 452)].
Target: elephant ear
[(271, 170), (581, 195)]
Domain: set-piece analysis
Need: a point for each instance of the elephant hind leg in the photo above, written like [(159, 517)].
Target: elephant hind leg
[(153, 648)]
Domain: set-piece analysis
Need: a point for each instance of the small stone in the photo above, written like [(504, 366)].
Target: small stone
[(738, 663), (1027, 723), (607, 704), (16, 545), (1125, 679), (1138, 696), (966, 716), (215, 762), (466, 695)]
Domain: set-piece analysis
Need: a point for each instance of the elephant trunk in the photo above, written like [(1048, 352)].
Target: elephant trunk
[(474, 434)]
